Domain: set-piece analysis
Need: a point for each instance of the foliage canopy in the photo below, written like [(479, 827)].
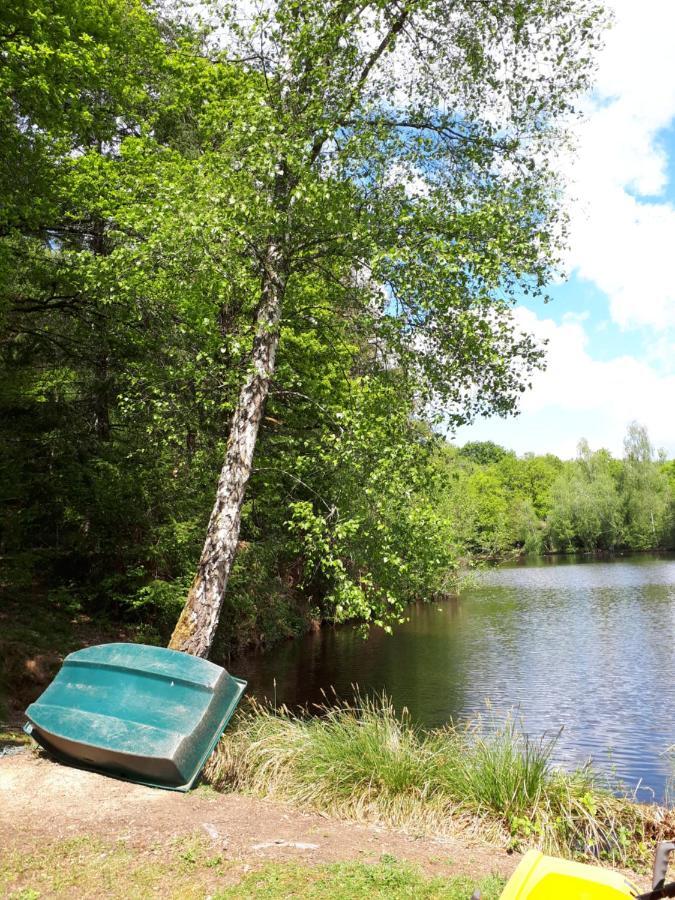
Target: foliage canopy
[(401, 155)]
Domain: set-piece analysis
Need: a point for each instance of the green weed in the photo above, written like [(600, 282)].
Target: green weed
[(184, 869), (89, 867), (365, 762), (386, 880)]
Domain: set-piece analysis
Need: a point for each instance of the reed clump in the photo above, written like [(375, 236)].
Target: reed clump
[(364, 761)]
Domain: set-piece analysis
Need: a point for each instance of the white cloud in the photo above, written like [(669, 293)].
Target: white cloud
[(576, 316), (623, 241), (622, 232), (578, 396)]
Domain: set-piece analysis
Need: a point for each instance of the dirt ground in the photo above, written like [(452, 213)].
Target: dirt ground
[(44, 804), (42, 801)]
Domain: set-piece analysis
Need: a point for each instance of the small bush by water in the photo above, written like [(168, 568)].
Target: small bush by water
[(364, 761)]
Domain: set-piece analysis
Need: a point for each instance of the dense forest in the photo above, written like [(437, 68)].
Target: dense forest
[(159, 192), (504, 504)]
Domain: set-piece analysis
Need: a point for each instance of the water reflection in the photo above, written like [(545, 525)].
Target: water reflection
[(584, 645)]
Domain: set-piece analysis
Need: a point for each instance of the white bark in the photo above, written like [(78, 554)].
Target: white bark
[(196, 627)]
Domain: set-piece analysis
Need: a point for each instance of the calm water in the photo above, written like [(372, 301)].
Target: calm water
[(589, 646)]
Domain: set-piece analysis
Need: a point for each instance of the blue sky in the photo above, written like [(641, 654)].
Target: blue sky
[(611, 326)]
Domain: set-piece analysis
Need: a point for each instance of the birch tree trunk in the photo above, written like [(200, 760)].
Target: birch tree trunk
[(196, 627)]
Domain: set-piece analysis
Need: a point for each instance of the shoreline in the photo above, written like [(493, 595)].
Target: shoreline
[(122, 839)]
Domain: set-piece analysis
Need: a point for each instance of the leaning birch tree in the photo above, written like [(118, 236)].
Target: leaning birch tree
[(412, 142)]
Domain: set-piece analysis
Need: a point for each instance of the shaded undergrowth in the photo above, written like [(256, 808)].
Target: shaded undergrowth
[(365, 762)]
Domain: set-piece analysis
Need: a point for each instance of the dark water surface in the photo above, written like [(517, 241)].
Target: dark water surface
[(585, 645)]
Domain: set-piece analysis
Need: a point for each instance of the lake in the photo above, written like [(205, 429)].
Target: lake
[(588, 646)]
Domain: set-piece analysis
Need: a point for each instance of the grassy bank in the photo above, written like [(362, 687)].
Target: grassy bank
[(367, 763), (181, 869), (387, 880)]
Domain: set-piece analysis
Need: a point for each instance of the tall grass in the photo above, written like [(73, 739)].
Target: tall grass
[(365, 762)]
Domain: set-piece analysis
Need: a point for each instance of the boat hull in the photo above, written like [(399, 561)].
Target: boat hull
[(146, 714)]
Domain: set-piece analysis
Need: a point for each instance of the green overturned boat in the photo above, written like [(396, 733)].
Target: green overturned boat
[(146, 714)]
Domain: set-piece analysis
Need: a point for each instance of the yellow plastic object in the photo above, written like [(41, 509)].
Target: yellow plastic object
[(540, 877)]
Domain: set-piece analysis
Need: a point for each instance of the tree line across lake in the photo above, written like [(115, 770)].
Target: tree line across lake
[(532, 504)]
